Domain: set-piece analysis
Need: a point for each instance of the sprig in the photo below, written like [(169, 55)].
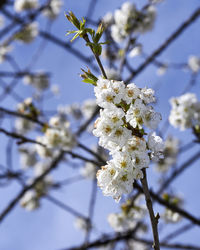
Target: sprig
[(88, 77), (84, 32)]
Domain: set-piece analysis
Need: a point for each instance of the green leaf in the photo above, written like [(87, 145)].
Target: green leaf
[(71, 32), (87, 80), (76, 36)]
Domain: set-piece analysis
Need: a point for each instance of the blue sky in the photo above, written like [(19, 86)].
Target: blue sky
[(50, 227)]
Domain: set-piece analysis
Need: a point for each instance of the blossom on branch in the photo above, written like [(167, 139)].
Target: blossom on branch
[(120, 128)]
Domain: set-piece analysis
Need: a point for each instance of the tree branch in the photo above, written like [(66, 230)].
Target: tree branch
[(154, 219)]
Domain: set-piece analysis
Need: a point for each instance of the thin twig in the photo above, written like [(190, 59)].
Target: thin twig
[(13, 203), (154, 219)]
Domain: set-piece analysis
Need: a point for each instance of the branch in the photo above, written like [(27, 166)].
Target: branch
[(165, 203), (23, 139), (64, 206), (14, 202), (107, 239), (154, 219), (67, 47), (177, 172), (13, 113)]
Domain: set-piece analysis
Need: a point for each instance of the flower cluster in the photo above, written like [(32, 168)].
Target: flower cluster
[(128, 19), (39, 80), (31, 199), (28, 33), (185, 111), (131, 213), (57, 136), (170, 216), (22, 5), (170, 153), (124, 112)]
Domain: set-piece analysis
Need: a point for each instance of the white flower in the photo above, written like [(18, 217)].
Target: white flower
[(120, 223), (126, 21), (117, 33), (194, 63), (128, 8), (57, 136), (141, 159), (108, 19), (40, 167), (151, 118), (108, 92), (42, 187), (120, 136), (133, 144), (171, 217), (147, 95), (137, 174), (113, 115), (131, 93), (137, 50), (155, 142), (43, 151), (55, 89), (38, 80), (156, 145), (171, 148), (21, 5), (28, 101), (112, 74), (53, 10), (135, 112), (185, 111), (129, 216), (29, 201), (82, 224), (149, 19), (89, 171), (28, 34), (88, 107), (114, 182), (122, 161), (171, 145), (162, 70), (134, 245), (123, 21), (4, 50), (103, 128)]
